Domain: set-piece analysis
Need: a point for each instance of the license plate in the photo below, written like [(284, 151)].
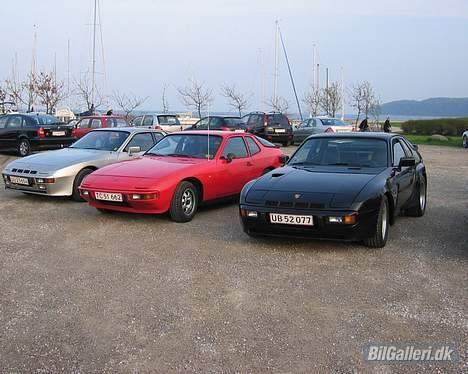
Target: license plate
[(109, 196), (19, 180), (280, 130), (58, 133), (238, 130), (291, 219)]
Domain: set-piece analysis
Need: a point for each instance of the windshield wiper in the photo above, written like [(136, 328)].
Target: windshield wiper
[(304, 164), (179, 155)]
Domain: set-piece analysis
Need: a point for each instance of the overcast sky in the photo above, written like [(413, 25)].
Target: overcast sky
[(407, 49)]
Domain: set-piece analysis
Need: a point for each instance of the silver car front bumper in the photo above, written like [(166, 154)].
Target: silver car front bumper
[(61, 187)]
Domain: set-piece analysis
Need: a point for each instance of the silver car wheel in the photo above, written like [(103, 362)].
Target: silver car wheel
[(384, 220), (465, 141), (188, 202), (422, 196), (24, 148)]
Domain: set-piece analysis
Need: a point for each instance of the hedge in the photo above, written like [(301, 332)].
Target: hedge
[(443, 126)]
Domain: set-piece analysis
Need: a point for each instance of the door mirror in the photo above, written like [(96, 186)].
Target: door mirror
[(283, 159), (407, 162), (133, 150), (229, 157)]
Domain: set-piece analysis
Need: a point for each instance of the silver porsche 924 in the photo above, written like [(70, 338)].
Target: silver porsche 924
[(60, 173)]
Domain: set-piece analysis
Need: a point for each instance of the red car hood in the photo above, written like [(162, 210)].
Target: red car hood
[(148, 167)]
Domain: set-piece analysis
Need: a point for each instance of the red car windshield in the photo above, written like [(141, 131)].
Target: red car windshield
[(190, 145)]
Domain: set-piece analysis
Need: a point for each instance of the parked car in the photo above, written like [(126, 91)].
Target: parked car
[(273, 126), (319, 125), (338, 186), (59, 173), (24, 133), (89, 123), (220, 123), (182, 171), (465, 139), (167, 122)]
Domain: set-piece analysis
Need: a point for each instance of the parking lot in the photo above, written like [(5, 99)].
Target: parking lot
[(85, 292)]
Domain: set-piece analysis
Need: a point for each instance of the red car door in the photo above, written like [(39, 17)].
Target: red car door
[(238, 167), (82, 128)]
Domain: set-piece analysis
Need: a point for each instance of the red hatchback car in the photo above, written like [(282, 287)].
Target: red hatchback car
[(180, 172), (89, 123)]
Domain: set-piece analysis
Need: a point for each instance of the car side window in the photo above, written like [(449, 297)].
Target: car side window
[(143, 140), (398, 153), (137, 121), (15, 122), (202, 124), (157, 136), (312, 122), (253, 147), (216, 123), (148, 121), (95, 123), (3, 121), (236, 146)]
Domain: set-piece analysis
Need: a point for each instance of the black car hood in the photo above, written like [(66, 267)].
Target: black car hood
[(309, 188)]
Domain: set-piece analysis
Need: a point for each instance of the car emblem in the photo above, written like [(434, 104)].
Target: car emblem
[(297, 195)]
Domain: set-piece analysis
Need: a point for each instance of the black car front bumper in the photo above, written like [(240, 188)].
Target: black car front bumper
[(363, 228)]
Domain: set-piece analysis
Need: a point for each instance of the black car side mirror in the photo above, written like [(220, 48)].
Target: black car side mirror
[(407, 162), (229, 157), (283, 159)]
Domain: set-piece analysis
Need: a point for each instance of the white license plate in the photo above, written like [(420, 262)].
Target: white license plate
[(58, 133), (109, 196), (280, 130), (239, 130), (291, 219), (19, 180)]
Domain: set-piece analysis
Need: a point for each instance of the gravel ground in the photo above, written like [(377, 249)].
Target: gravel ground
[(86, 292)]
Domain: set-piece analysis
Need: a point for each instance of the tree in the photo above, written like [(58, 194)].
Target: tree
[(362, 98), (236, 100), (195, 96), (331, 99), (376, 110), (313, 99), (48, 90), (22, 92), (128, 102), (280, 104), (84, 92)]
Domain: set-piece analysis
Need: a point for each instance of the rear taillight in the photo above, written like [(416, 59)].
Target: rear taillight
[(265, 121), (41, 133), (329, 130), (158, 127), (73, 133)]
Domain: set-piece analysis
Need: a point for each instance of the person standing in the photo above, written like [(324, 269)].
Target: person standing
[(387, 127), (109, 112), (364, 126)]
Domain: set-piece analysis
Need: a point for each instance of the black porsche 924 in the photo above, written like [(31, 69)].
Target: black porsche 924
[(347, 187)]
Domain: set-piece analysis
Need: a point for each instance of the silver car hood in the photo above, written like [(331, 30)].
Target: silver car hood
[(55, 160)]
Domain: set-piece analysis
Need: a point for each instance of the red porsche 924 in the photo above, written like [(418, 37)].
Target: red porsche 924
[(180, 172)]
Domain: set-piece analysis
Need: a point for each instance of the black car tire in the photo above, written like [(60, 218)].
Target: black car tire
[(24, 147), (381, 230), (465, 142), (418, 206), (77, 182), (184, 203)]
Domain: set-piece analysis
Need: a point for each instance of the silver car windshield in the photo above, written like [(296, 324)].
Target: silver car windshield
[(102, 140)]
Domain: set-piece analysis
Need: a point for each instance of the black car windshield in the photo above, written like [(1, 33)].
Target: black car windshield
[(348, 152), (102, 140), (189, 145), (45, 119)]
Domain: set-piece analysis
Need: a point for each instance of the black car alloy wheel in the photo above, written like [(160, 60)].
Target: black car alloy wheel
[(24, 148)]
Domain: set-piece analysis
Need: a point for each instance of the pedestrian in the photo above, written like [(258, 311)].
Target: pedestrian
[(364, 126), (109, 112), (387, 127)]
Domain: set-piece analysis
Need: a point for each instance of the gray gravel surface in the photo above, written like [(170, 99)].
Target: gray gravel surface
[(85, 292)]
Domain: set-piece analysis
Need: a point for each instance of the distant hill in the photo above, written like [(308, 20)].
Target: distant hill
[(435, 107)]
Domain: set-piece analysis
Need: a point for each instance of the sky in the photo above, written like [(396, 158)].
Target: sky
[(407, 49)]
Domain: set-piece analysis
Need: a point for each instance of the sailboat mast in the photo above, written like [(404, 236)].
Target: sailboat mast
[(275, 92), (94, 54)]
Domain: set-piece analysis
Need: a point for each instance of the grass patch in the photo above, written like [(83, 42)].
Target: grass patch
[(453, 141)]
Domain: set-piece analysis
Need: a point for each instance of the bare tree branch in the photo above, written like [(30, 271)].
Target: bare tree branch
[(165, 104), (362, 97), (83, 91), (48, 90), (280, 105), (236, 100), (128, 102), (313, 100), (195, 96), (331, 99)]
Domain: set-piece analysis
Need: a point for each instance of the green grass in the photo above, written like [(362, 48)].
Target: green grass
[(453, 141)]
